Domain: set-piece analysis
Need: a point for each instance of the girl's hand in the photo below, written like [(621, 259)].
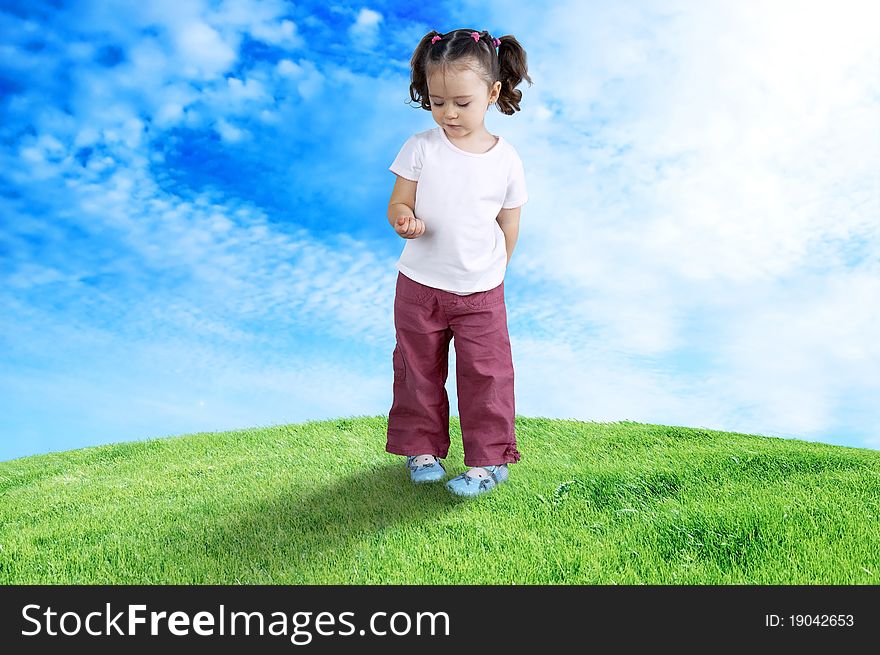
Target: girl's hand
[(409, 227)]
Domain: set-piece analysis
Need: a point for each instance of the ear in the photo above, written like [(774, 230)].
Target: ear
[(496, 92)]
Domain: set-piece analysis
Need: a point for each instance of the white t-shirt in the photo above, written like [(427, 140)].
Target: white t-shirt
[(459, 196)]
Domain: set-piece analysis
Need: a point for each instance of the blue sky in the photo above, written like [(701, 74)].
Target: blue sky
[(193, 233)]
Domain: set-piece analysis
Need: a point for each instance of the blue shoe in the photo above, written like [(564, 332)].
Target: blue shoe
[(431, 472), (466, 485)]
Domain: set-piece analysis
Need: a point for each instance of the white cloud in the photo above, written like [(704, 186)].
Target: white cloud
[(229, 132), (283, 33), (262, 20), (147, 60), (341, 288), (202, 51), (309, 79), (168, 115), (250, 89), (287, 68), (365, 30)]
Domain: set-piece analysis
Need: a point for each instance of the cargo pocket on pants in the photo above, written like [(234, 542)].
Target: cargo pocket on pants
[(398, 364)]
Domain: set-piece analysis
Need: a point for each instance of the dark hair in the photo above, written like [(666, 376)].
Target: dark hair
[(458, 49)]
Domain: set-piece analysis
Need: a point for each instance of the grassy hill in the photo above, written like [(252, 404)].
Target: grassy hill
[(322, 503)]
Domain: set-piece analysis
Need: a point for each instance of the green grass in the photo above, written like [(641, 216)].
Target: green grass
[(323, 503)]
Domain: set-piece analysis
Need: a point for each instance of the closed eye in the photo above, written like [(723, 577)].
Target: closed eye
[(440, 104)]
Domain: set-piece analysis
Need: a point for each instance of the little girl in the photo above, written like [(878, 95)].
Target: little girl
[(457, 201)]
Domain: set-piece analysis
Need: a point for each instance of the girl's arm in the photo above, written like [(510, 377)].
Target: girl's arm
[(404, 193), (508, 219)]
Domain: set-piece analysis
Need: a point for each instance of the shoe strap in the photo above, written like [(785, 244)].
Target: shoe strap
[(411, 458), (491, 471)]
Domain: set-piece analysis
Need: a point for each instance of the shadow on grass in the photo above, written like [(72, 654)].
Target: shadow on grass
[(286, 533)]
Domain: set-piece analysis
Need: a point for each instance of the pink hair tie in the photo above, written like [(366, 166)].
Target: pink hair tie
[(476, 36), (496, 42), (435, 39)]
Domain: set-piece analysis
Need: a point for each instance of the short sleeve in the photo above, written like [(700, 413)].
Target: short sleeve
[(516, 185), (408, 162)]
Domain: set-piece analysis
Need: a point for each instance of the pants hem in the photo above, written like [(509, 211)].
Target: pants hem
[(510, 456), (398, 450)]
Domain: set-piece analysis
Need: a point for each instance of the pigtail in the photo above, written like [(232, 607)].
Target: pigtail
[(513, 70), (418, 88)]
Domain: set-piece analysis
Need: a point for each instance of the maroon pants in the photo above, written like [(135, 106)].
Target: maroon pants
[(425, 320)]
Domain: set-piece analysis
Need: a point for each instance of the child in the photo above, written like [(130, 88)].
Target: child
[(457, 201)]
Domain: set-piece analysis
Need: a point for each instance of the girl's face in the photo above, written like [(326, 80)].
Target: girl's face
[(459, 100)]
